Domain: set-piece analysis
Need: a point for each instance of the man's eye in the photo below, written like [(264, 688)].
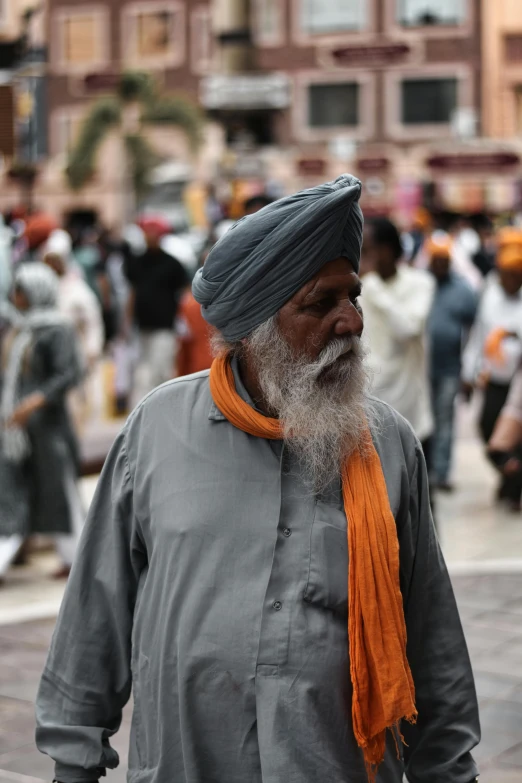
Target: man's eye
[(320, 306)]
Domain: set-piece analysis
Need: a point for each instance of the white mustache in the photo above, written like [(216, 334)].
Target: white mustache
[(337, 348)]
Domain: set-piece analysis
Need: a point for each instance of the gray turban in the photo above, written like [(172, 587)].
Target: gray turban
[(267, 257)]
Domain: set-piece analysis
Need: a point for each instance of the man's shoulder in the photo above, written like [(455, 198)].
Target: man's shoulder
[(176, 391), (461, 285), (418, 277), (174, 411)]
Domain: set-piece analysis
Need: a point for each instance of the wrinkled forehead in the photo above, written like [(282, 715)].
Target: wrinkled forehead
[(340, 270)]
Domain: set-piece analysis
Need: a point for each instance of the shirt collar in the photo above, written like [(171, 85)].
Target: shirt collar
[(214, 413)]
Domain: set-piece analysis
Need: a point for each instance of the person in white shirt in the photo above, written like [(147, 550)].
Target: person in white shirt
[(79, 304), (494, 351), (464, 243), (396, 302)]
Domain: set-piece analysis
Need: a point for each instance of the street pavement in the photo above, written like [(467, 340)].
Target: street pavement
[(482, 545)]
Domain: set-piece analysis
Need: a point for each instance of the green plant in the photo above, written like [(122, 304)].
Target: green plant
[(135, 89)]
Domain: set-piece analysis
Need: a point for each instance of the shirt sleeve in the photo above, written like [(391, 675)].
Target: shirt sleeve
[(178, 274), (130, 264), (472, 357), (439, 745), (407, 318), (92, 324), (469, 306), (87, 678), (513, 406)]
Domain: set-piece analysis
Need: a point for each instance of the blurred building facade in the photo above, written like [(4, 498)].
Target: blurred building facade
[(421, 98), (502, 79), (23, 110), (387, 88)]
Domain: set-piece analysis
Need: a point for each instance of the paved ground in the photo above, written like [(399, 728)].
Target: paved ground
[(483, 546)]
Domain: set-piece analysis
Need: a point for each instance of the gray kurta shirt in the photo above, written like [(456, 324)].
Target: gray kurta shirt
[(214, 582)]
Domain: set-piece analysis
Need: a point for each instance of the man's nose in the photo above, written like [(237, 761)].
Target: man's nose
[(349, 321)]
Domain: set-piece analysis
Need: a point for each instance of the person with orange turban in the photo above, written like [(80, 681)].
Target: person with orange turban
[(260, 564), (494, 351), (451, 317)]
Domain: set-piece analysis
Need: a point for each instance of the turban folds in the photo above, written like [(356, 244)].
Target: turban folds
[(267, 257), (439, 245)]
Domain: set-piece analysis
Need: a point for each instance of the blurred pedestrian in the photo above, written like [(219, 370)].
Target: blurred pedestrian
[(195, 352), (38, 228), (505, 445), (484, 256), (450, 320), (38, 450), (87, 255), (157, 282), (76, 299), (80, 306), (6, 265), (494, 350), (255, 203), (396, 302), (465, 242), (414, 239)]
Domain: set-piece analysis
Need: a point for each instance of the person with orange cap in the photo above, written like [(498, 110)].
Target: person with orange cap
[(451, 317), (494, 350)]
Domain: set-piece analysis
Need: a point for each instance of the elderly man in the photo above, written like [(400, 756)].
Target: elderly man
[(261, 546)]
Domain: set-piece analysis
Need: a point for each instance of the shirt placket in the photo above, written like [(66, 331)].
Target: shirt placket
[(288, 571)]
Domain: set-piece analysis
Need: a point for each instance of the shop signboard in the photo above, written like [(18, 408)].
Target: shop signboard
[(473, 162), (311, 167), (101, 82), (371, 55), (271, 91), (377, 165)]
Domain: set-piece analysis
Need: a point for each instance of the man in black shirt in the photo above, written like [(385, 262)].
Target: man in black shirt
[(157, 281)]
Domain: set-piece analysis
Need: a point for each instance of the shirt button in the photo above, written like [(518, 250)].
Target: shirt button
[(287, 532), (277, 605)]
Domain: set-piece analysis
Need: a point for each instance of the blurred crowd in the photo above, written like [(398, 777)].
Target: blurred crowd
[(91, 320)]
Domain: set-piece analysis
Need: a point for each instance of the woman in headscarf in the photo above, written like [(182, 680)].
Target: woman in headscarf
[(78, 303), (38, 452)]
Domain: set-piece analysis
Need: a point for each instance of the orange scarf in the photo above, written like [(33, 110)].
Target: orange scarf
[(383, 690), (493, 347)]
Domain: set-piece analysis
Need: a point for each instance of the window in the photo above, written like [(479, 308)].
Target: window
[(68, 124), (153, 33), (333, 105), (518, 110), (202, 40), (332, 16), (513, 48), (80, 39), (428, 101), (416, 13), (269, 22)]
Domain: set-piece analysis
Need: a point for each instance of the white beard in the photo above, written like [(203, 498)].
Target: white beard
[(323, 406)]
